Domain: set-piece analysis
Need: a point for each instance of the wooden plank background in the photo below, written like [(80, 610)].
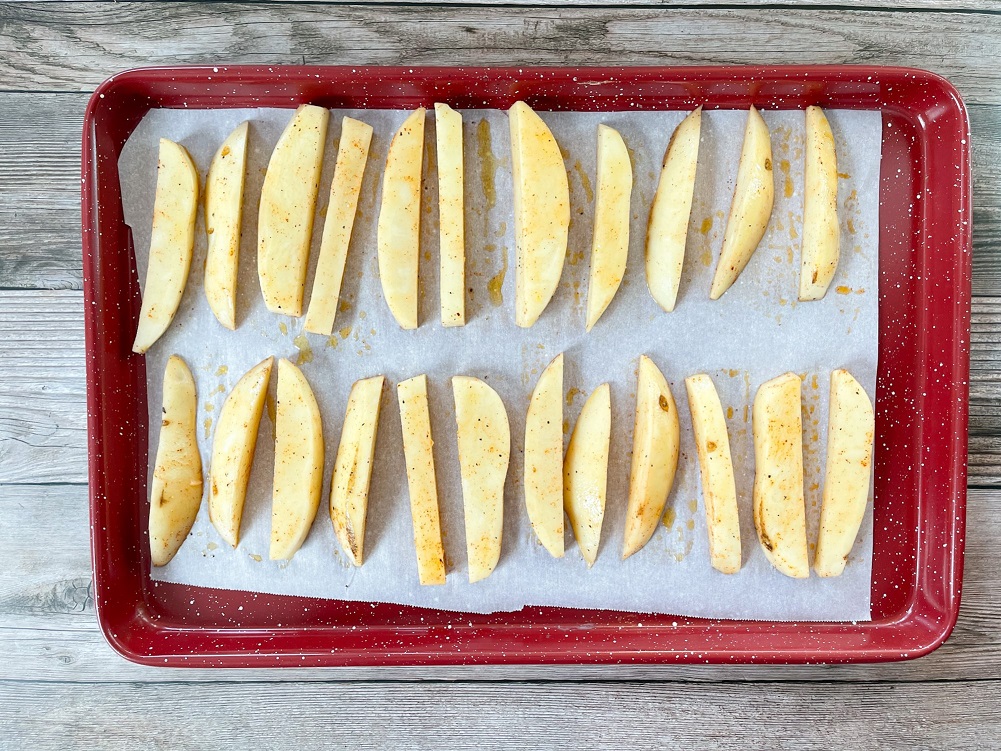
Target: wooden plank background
[(61, 685)]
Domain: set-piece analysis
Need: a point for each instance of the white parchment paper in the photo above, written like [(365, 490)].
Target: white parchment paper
[(756, 331)]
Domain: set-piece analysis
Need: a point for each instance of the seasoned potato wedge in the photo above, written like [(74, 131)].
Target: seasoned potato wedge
[(779, 507), (585, 472), (233, 450), (667, 231), (544, 458), (172, 242), (851, 429), (415, 418), (451, 222), (821, 232), (176, 488), (484, 439), (298, 463)]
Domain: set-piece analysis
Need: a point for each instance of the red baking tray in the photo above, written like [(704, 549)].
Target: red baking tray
[(921, 399)]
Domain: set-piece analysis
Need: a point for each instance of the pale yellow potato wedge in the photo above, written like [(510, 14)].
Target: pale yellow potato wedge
[(176, 489), (719, 493), (541, 212), (399, 229), (753, 197), (610, 243), (851, 429), (342, 206), (484, 440), (353, 467), (288, 203), (298, 479), (779, 507), (656, 443), (223, 217), (415, 419), (667, 231), (544, 458), (172, 242), (821, 231), (451, 221), (585, 472), (233, 450)]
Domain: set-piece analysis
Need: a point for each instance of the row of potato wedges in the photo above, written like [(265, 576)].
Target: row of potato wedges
[(541, 218), (556, 485)]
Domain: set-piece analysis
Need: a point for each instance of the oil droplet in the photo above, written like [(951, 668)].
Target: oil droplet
[(860, 291), (283, 328), (208, 426), (851, 226), (305, 350), (813, 382), (690, 524), (212, 546), (566, 427), (332, 341), (585, 181), (363, 315), (729, 413), (488, 163), (707, 224), (576, 257), (693, 506), (669, 517), (223, 370), (745, 413), (843, 290), (784, 166), (496, 284), (572, 394), (255, 557), (733, 373), (345, 332), (502, 229), (844, 175), (344, 306), (706, 257), (209, 407)]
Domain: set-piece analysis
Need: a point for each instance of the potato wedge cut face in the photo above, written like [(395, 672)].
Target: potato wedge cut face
[(779, 506), (176, 487), (484, 441), (585, 472), (298, 463), (451, 222), (223, 217), (541, 212), (353, 467), (172, 242), (851, 429), (288, 203), (544, 458), (671, 211), (399, 230), (821, 231), (233, 448), (656, 444)]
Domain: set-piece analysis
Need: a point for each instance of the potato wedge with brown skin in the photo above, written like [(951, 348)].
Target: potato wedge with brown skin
[(298, 463), (544, 458), (821, 231), (399, 231), (541, 212), (484, 439), (353, 467), (779, 506), (176, 487), (172, 243), (223, 217), (451, 221), (585, 472), (719, 493), (233, 450), (656, 445), (288, 203), (667, 232), (342, 206), (415, 419), (851, 429), (753, 197)]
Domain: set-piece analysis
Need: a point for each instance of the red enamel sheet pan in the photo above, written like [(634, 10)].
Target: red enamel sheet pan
[(924, 330)]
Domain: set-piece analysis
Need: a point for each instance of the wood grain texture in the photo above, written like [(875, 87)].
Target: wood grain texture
[(73, 46)]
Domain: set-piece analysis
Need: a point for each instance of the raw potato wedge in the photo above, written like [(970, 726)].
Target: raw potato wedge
[(656, 443), (719, 493), (779, 507), (176, 488), (298, 463), (751, 209), (342, 206), (172, 242), (399, 229), (288, 202), (484, 439), (416, 421), (851, 429), (451, 223), (233, 450), (541, 212), (585, 472), (223, 215), (821, 232), (353, 467), (610, 244), (667, 231), (544, 458)]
